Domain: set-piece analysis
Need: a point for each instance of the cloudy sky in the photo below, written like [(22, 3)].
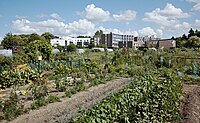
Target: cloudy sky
[(164, 18)]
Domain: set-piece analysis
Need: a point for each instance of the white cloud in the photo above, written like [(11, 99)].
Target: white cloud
[(95, 14), (81, 27), (41, 16), (196, 7), (23, 26), (168, 18), (159, 32), (56, 16), (20, 17), (117, 31), (173, 12), (197, 23), (50, 16), (135, 33), (147, 31), (108, 30), (50, 23), (127, 15), (75, 28)]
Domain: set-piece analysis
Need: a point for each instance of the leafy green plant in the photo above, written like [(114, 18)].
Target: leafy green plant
[(74, 90), (52, 99), (38, 103), (11, 108), (149, 99), (15, 77)]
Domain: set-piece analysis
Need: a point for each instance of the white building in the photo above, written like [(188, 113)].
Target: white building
[(65, 41)]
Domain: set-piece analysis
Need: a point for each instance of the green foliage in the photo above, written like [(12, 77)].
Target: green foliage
[(33, 37), (98, 33), (43, 102), (61, 69), (39, 47), (71, 48), (38, 86), (149, 99), (60, 56), (52, 99), (14, 77), (38, 103), (6, 62), (194, 41), (11, 107), (188, 41), (74, 90), (91, 45), (13, 40), (48, 36)]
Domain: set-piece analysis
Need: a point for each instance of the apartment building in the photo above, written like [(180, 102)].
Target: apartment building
[(113, 40), (65, 41)]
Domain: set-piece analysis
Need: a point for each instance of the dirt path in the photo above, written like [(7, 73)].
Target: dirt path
[(191, 104), (68, 108)]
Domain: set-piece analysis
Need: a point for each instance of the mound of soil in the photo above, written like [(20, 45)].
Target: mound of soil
[(191, 103), (69, 107)]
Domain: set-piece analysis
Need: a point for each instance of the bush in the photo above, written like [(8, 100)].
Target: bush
[(39, 47), (71, 48)]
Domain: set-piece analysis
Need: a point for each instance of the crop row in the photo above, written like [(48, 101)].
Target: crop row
[(152, 98)]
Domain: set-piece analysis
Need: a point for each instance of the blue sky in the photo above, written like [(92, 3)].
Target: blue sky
[(163, 18)]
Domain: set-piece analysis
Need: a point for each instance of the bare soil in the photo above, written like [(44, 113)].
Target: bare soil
[(191, 103), (69, 107)]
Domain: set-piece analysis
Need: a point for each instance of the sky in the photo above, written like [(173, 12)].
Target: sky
[(163, 18)]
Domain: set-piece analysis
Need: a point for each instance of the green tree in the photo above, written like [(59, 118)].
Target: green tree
[(191, 33), (197, 33), (184, 37), (34, 36), (71, 48), (194, 41), (11, 40), (48, 36), (39, 47), (98, 33), (7, 40)]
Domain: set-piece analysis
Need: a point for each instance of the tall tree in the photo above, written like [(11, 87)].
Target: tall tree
[(7, 40), (48, 36), (191, 33), (98, 33)]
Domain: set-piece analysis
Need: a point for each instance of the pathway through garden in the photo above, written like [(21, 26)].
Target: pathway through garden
[(68, 107), (191, 103)]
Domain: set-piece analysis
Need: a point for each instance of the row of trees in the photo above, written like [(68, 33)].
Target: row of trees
[(11, 40), (192, 40)]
